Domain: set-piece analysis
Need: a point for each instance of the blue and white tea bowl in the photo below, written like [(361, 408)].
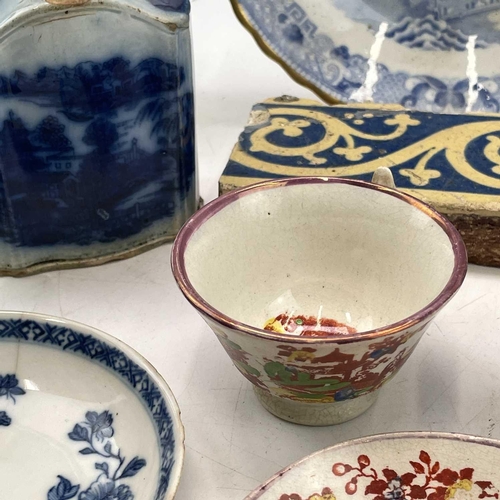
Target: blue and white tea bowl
[(82, 416)]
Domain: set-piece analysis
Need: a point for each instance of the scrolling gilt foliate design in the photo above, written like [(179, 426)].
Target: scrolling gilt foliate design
[(342, 138)]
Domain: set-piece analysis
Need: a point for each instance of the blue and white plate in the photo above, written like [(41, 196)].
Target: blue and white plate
[(431, 55), (82, 416)]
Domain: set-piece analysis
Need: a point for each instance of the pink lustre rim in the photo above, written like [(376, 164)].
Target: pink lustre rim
[(443, 436), (199, 218)]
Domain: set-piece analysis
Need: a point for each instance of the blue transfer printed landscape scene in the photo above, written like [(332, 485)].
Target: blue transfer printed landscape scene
[(336, 68), (431, 24), (112, 154)]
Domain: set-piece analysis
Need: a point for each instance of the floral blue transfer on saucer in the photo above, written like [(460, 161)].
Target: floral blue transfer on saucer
[(95, 433), (100, 419), (430, 55)]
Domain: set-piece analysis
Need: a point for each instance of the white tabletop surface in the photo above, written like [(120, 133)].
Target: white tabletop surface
[(451, 382)]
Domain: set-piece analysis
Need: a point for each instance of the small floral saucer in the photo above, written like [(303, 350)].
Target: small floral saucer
[(411, 466), (82, 416)]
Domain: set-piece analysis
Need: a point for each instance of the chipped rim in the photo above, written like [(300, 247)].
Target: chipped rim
[(442, 436), (198, 219)]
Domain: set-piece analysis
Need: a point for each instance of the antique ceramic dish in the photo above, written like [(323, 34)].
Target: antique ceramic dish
[(86, 415), (368, 257), (413, 465), (432, 55)]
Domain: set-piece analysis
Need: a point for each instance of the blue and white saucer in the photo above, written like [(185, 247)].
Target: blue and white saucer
[(431, 55), (82, 416)]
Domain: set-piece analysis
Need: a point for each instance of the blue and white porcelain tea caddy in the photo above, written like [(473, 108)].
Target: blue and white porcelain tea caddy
[(97, 151)]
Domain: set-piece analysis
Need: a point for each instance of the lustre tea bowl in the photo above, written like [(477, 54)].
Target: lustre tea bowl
[(100, 419), (319, 289)]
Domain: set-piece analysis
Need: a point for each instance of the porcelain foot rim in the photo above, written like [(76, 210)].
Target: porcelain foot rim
[(315, 414)]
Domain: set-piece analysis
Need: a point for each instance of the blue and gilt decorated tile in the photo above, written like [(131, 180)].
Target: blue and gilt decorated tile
[(450, 161), (82, 416), (430, 55)]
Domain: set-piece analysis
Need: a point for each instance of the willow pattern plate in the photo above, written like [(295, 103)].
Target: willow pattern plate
[(431, 55)]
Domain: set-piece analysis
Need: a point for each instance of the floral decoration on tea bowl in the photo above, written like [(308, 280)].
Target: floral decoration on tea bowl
[(430, 55), (363, 256), (100, 419), (399, 466)]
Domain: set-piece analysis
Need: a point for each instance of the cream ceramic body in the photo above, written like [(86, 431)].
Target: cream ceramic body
[(364, 255), (84, 414), (392, 466)]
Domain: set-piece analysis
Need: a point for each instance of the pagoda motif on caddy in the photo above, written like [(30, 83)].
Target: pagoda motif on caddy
[(113, 154)]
